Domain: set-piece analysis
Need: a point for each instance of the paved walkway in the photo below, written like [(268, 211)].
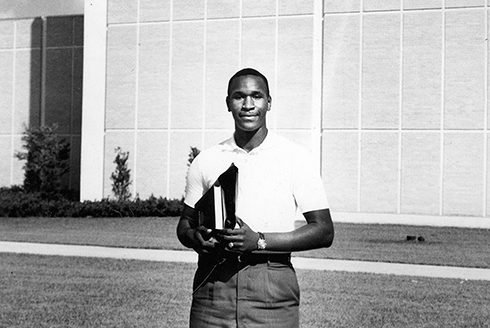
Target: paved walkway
[(298, 262)]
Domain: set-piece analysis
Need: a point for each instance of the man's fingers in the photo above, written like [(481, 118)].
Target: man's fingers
[(240, 222)]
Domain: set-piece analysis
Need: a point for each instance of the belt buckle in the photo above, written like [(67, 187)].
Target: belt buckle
[(239, 258)]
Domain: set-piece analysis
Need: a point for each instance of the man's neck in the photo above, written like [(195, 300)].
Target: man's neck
[(248, 140)]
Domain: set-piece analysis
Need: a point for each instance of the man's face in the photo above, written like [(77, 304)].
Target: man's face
[(248, 101)]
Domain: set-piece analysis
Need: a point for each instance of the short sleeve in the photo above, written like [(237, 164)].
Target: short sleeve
[(194, 184), (308, 188)]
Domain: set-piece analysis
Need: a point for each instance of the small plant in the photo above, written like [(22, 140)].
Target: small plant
[(192, 155), (121, 178), (47, 159)]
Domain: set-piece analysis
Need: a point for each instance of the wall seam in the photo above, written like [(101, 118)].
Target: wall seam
[(400, 113), (169, 122), (12, 123), (44, 42), (485, 117), (359, 129), (136, 100), (205, 44), (443, 90)]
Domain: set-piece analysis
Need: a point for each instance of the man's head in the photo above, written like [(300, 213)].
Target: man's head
[(249, 71), (248, 100)]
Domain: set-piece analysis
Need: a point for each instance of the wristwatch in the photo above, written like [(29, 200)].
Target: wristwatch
[(261, 243)]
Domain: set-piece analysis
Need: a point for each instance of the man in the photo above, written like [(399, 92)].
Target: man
[(244, 276)]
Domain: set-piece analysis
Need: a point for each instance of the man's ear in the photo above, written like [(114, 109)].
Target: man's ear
[(226, 101), (269, 103)]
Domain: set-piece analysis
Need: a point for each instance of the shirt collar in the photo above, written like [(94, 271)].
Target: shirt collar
[(266, 144)]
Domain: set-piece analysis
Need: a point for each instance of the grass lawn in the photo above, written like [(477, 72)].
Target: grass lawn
[(55, 291), (442, 246)]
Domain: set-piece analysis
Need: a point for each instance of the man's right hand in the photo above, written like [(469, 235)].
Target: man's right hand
[(204, 242)]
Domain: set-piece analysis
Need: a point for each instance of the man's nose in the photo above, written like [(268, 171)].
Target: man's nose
[(248, 103)]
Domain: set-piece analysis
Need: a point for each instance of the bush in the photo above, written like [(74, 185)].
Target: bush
[(121, 178), (47, 159), (192, 154), (15, 202)]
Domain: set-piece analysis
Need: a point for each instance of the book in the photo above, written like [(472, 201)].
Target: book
[(216, 208)]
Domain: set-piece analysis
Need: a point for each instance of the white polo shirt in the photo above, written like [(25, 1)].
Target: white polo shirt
[(276, 181)]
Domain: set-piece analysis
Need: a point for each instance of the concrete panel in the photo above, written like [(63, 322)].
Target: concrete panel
[(421, 171), (7, 34), (28, 33), (301, 137), (214, 137), (296, 7), (78, 30), (27, 89), (251, 8), (464, 3), (381, 5), (258, 47), (153, 90), (58, 89), (465, 69), (59, 31), (341, 6), (187, 75), (6, 154), (422, 4), (341, 71), (379, 172), (180, 146), (151, 169), (222, 41), (223, 8), (6, 90), (74, 174), (189, 9), (295, 72), (77, 91), (17, 168), (114, 139), (121, 77), (154, 11), (381, 71), (340, 162), (122, 11), (463, 174), (487, 167), (422, 70)]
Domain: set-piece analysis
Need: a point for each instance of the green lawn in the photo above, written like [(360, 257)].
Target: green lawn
[(55, 291), (442, 246)]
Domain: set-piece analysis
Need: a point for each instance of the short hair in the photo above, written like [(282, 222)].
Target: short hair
[(249, 71)]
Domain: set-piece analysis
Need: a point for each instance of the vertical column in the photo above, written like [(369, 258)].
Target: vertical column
[(316, 103), (93, 112)]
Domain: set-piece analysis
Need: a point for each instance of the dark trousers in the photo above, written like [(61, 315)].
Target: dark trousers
[(245, 295)]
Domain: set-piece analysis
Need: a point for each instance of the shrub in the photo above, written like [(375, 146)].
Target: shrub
[(47, 159), (192, 154), (15, 202), (121, 178)]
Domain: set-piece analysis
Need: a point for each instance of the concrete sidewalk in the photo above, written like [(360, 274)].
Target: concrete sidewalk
[(299, 262)]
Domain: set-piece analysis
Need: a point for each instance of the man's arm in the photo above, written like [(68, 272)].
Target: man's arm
[(317, 233)]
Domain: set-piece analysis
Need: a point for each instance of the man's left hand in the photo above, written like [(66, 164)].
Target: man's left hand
[(242, 240)]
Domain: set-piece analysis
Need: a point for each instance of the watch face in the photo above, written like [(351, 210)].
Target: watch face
[(261, 244)]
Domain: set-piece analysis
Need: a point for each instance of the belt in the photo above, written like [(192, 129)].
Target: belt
[(256, 258)]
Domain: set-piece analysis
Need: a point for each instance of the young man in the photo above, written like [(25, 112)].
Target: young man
[(252, 282)]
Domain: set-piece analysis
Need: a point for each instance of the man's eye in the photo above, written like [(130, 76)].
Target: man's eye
[(237, 97), (257, 96)]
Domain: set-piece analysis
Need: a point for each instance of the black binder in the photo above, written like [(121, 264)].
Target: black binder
[(216, 207)]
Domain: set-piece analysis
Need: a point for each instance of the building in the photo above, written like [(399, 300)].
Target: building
[(390, 97)]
